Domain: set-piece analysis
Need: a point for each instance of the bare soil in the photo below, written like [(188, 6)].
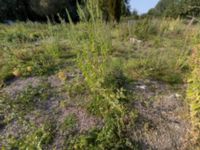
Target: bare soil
[(163, 116)]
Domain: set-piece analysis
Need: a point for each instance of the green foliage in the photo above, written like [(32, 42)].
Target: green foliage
[(37, 140), (69, 129), (28, 62), (114, 77), (23, 102), (92, 60), (113, 9), (125, 10), (145, 28), (176, 8), (159, 65), (55, 10), (157, 56), (193, 93), (100, 84), (17, 108), (135, 14), (162, 7), (188, 8), (69, 121)]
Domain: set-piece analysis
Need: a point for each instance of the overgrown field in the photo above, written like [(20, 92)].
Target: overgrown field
[(92, 85)]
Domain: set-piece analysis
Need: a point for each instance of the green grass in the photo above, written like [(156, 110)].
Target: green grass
[(69, 123), (32, 59), (168, 65)]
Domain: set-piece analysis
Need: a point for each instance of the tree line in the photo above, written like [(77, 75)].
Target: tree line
[(40, 10), (176, 8)]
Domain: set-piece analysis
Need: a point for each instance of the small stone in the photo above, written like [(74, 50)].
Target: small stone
[(135, 41), (142, 87), (177, 95)]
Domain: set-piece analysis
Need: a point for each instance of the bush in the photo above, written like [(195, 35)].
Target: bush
[(115, 78), (193, 93), (92, 61), (145, 28), (167, 65)]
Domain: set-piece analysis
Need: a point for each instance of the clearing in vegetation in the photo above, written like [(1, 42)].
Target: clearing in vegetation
[(100, 86)]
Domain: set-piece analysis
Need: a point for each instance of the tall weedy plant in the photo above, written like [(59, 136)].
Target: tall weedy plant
[(193, 93), (92, 60)]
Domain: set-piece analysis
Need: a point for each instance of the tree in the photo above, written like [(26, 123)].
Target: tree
[(47, 7), (125, 10), (173, 9), (51, 8), (7, 9), (134, 14), (190, 8), (161, 7), (113, 9), (176, 8), (37, 10)]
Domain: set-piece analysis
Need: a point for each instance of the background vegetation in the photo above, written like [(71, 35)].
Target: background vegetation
[(176, 8), (39, 10)]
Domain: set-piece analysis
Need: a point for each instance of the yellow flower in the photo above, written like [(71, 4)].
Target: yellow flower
[(62, 76), (29, 69)]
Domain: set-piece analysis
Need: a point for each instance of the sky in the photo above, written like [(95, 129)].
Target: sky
[(142, 6)]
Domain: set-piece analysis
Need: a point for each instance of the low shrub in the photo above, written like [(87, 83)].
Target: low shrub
[(193, 94)]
